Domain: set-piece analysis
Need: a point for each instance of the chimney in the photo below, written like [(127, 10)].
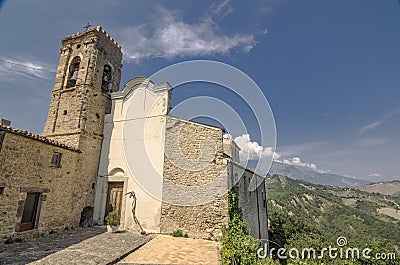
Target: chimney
[(4, 122)]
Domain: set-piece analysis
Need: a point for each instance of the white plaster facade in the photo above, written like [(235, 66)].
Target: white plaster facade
[(138, 120)]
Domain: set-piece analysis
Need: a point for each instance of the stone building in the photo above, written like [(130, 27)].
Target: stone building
[(107, 150)]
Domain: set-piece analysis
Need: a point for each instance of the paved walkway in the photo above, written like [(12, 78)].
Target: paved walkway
[(77, 246), (166, 250)]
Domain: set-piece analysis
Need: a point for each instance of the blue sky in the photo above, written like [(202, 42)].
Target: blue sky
[(329, 69)]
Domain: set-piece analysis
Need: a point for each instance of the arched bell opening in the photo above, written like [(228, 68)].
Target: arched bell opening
[(73, 71), (106, 86)]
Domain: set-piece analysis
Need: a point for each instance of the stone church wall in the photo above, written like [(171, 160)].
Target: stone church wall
[(188, 139)]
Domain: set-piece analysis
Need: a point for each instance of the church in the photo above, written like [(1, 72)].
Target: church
[(109, 150)]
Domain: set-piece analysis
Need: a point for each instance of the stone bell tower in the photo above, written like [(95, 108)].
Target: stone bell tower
[(88, 71)]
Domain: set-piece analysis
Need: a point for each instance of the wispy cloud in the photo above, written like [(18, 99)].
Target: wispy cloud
[(30, 74), (169, 36), (15, 71), (221, 9), (380, 121), (369, 142)]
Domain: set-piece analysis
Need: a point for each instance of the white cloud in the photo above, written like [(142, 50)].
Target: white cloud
[(375, 175), (168, 36), (252, 151), (227, 136), (296, 161)]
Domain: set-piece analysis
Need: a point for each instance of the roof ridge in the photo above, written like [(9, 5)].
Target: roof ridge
[(37, 137)]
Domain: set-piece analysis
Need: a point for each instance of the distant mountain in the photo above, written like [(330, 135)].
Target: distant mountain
[(386, 188), (312, 176)]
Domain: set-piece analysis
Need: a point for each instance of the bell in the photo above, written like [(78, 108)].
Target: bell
[(74, 75)]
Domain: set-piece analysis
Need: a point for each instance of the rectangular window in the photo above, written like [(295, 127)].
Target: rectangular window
[(1, 190), (2, 134), (56, 160)]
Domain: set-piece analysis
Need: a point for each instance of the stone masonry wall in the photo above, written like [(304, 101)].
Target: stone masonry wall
[(194, 157), (25, 165), (75, 107)]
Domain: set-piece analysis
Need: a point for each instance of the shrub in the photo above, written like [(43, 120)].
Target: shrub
[(113, 219), (237, 241), (179, 233)]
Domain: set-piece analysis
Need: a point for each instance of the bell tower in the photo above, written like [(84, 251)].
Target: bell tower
[(88, 71)]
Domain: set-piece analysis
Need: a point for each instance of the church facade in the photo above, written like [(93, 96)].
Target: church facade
[(106, 150)]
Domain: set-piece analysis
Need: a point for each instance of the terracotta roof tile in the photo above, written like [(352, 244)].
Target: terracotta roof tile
[(37, 137)]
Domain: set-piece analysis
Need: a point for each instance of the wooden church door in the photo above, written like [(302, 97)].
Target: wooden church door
[(114, 197)]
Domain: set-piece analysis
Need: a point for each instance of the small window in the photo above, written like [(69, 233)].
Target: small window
[(1, 190), (56, 160), (65, 112), (78, 46), (2, 134)]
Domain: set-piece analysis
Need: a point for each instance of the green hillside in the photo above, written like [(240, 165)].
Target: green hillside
[(307, 215), (385, 188)]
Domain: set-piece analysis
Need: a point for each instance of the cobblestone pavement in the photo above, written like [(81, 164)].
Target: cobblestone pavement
[(77, 246), (166, 250)]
